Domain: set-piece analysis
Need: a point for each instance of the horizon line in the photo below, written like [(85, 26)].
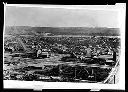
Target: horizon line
[(58, 26)]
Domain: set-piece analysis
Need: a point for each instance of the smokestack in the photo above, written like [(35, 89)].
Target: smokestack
[(114, 55)]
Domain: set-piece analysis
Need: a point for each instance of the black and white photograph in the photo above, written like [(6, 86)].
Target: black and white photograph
[(69, 44)]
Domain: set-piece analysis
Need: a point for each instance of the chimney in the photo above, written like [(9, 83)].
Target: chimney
[(114, 55)]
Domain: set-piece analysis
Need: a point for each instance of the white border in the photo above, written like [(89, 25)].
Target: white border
[(121, 8), (95, 7)]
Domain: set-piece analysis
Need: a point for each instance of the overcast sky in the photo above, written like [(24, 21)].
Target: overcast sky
[(59, 17)]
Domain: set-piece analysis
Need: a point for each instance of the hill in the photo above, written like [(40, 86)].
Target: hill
[(89, 31)]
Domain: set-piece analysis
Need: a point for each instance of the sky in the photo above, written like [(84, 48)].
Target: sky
[(59, 17)]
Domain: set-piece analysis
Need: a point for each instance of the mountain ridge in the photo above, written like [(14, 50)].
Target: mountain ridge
[(62, 30)]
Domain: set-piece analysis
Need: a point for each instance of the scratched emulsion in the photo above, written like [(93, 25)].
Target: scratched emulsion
[(61, 45)]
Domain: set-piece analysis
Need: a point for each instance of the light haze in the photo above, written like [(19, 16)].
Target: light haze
[(59, 17)]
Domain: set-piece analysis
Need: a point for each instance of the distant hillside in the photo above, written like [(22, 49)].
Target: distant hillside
[(27, 30)]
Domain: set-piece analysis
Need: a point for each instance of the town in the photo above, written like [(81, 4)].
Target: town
[(60, 58)]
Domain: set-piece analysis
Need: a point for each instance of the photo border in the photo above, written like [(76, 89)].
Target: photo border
[(121, 8)]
